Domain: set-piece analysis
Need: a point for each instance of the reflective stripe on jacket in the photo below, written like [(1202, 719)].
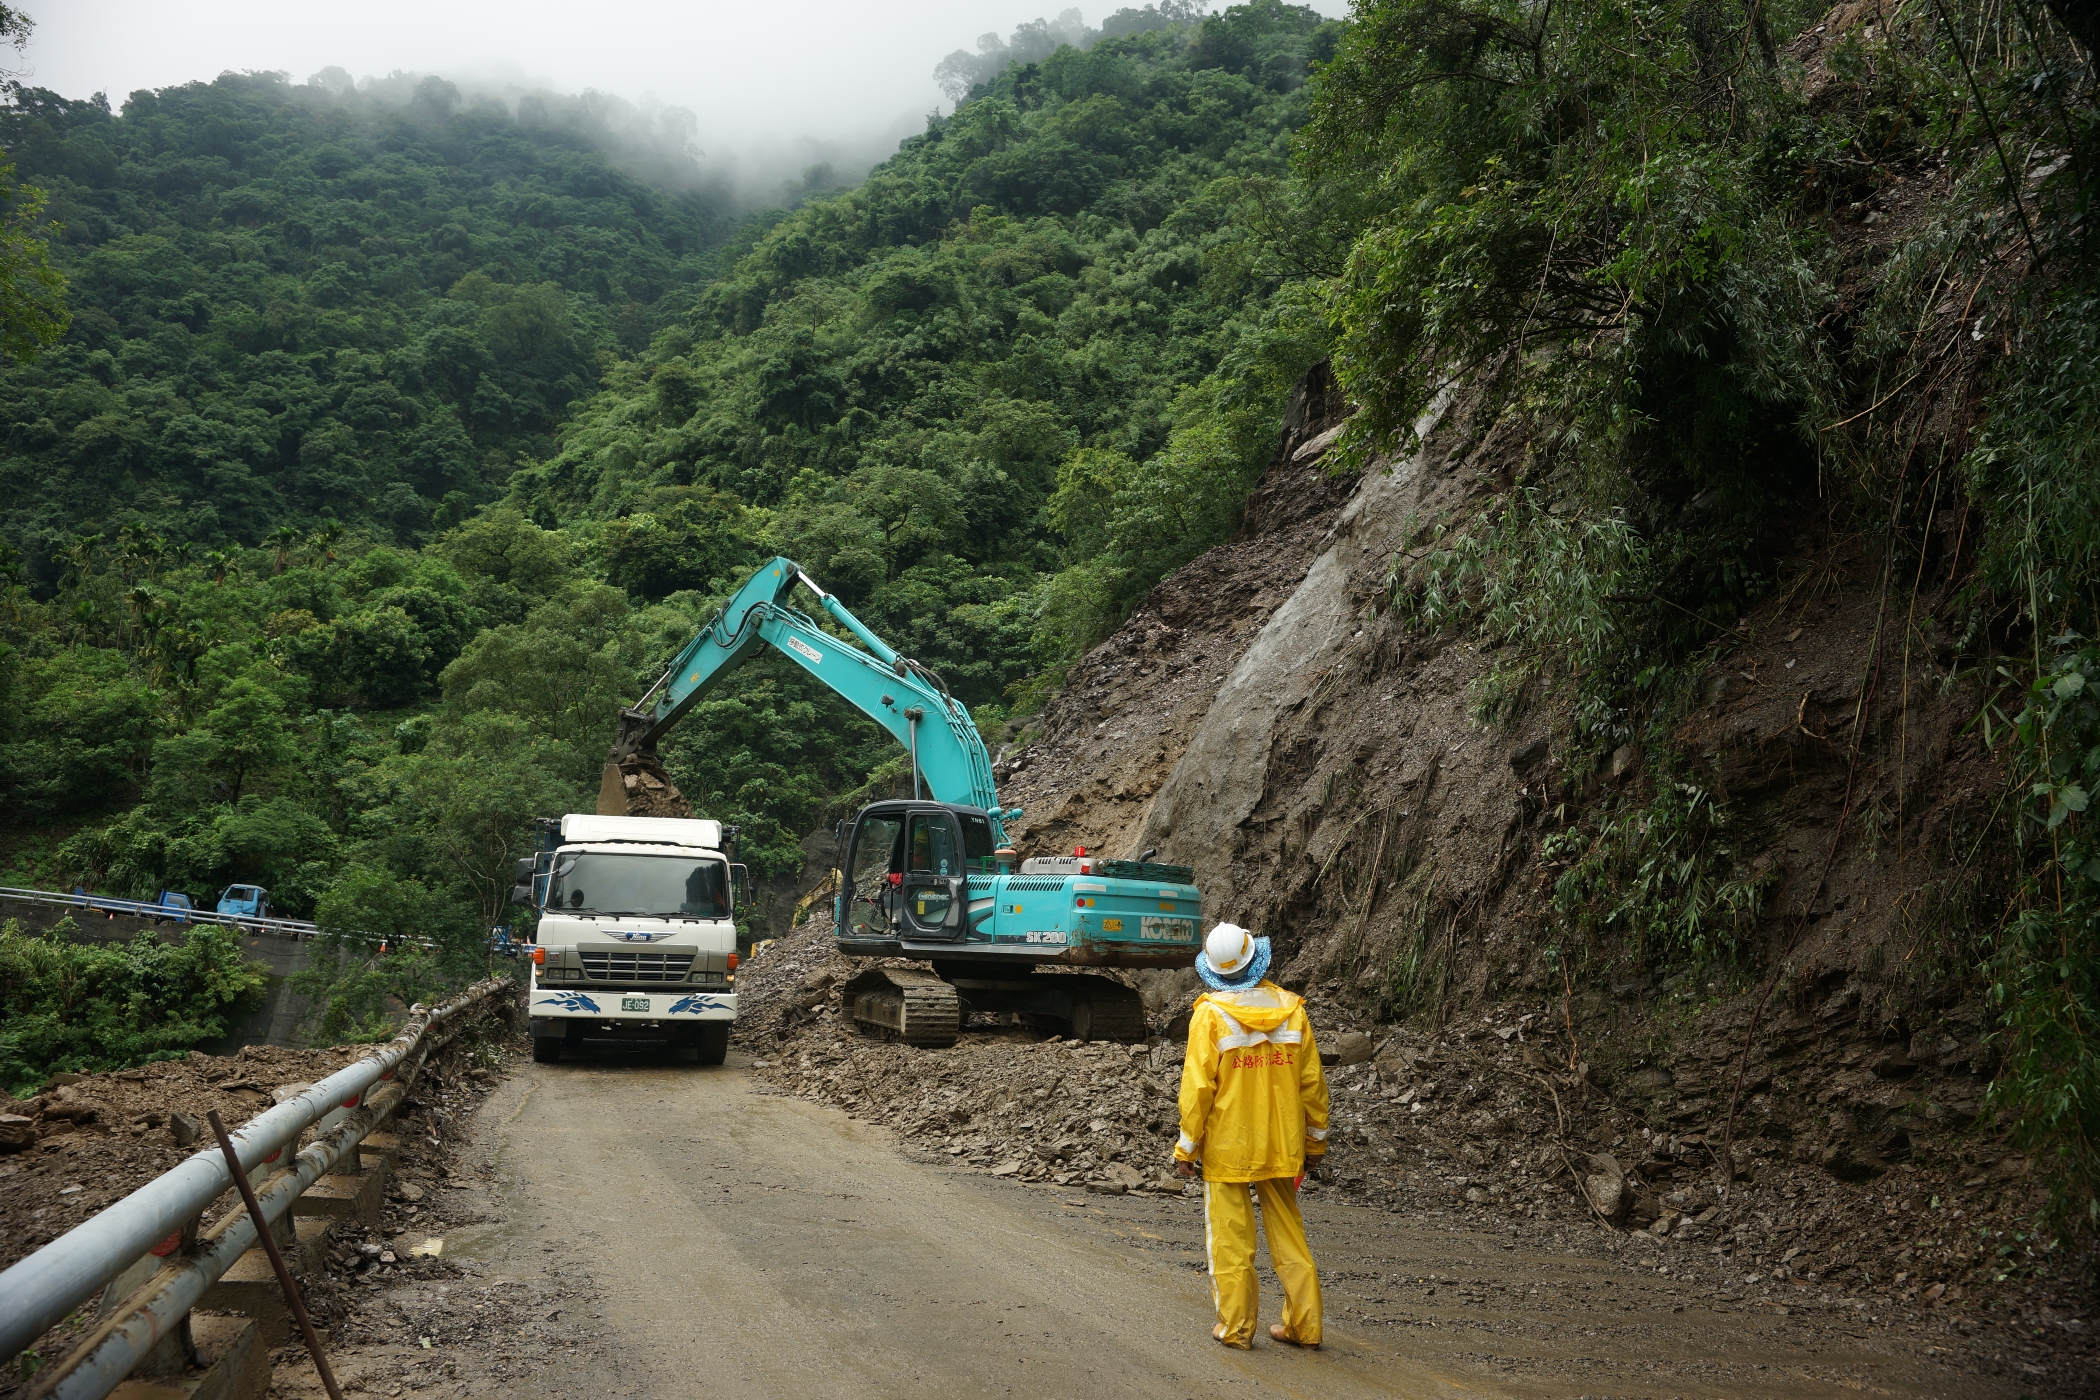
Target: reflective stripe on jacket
[(1253, 1098)]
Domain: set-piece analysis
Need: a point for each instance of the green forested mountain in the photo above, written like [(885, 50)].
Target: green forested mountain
[(297, 304), (397, 439), (999, 389)]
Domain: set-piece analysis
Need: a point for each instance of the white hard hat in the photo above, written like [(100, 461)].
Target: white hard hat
[(1228, 948)]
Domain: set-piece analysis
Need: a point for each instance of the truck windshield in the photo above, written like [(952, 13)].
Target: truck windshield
[(646, 886)]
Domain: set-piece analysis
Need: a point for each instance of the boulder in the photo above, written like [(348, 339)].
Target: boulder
[(1526, 757), (1606, 1187), (1351, 1048)]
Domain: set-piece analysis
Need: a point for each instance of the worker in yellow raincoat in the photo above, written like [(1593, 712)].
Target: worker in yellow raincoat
[(1253, 1114)]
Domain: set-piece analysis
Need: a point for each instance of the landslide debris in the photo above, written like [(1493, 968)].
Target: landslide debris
[(1483, 1124), (87, 1140)]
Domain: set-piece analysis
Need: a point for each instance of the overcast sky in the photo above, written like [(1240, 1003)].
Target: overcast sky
[(790, 68)]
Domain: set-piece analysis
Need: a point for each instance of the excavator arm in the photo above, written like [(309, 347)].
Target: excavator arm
[(896, 692)]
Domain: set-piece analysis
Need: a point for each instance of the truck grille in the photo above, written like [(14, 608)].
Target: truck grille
[(623, 966)]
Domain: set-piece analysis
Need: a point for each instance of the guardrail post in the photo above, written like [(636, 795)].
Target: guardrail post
[(176, 1351)]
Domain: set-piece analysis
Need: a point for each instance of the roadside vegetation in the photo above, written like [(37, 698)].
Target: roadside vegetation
[(86, 1007)]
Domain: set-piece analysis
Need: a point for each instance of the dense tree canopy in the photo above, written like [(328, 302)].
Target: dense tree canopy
[(296, 304), (1044, 297)]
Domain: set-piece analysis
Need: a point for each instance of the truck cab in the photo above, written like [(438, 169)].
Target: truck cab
[(247, 901), (636, 936)]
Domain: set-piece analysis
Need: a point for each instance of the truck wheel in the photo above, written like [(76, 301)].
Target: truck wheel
[(546, 1049), (713, 1045)]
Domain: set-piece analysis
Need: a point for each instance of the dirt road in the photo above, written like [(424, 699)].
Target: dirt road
[(684, 1230)]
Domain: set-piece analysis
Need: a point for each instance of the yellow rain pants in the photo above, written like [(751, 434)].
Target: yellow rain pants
[(1228, 1211)]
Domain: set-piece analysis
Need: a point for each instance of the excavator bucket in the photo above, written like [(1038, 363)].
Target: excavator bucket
[(638, 786)]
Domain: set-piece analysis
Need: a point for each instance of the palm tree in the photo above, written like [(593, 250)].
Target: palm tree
[(78, 561), (87, 615), (219, 563), (144, 605), (284, 539), (139, 551), (323, 538)]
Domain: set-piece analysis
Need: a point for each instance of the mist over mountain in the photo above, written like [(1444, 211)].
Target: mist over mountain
[(654, 141)]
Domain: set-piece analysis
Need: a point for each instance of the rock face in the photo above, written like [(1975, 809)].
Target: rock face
[(1197, 816), (1277, 716)]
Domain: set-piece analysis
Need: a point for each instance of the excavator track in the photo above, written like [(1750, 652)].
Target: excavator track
[(1081, 1005), (1111, 1011), (904, 1003)]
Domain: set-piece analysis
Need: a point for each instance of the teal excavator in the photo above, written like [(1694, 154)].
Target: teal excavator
[(932, 878)]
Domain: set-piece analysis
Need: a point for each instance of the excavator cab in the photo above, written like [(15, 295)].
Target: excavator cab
[(908, 865)]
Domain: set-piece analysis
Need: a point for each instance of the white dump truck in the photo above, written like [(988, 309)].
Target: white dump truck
[(636, 938)]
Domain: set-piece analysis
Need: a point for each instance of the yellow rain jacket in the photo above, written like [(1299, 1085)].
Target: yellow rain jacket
[(1253, 1099)]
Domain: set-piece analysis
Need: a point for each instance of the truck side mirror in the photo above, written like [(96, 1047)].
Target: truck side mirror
[(522, 893), (739, 885), (522, 872)]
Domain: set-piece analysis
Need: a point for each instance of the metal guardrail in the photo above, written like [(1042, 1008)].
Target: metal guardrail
[(162, 913), (48, 1285)]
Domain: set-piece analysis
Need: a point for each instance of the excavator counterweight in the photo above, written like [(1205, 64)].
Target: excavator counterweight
[(931, 878)]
